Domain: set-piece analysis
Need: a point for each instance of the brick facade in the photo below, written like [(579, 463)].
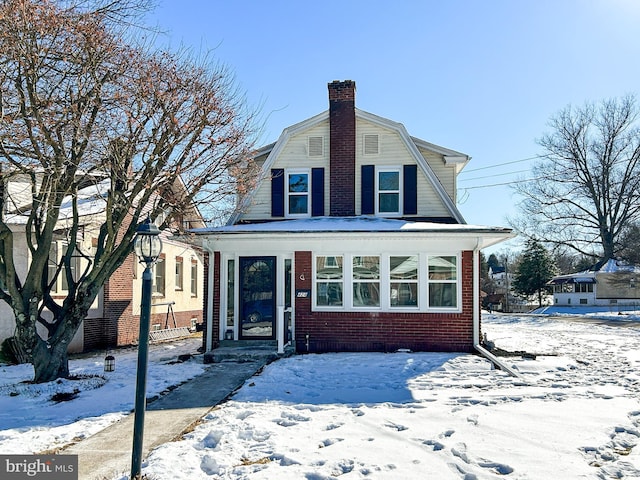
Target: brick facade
[(216, 298), (118, 320), (382, 331), (342, 148)]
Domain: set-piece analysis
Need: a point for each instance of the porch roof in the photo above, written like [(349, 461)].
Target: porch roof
[(361, 224), (570, 279)]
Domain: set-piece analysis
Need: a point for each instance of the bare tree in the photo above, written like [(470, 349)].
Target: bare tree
[(586, 190), (85, 105)]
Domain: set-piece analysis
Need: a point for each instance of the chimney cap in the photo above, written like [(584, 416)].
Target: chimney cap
[(342, 90)]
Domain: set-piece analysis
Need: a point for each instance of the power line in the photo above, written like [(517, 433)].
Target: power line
[(512, 182), (492, 176), (503, 164)]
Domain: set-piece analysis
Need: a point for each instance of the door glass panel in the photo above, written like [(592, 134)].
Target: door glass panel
[(257, 282)]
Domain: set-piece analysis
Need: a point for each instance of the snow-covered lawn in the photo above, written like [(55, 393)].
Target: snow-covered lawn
[(574, 414), (31, 423)]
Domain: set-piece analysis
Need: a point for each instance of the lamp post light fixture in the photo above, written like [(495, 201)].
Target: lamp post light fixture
[(148, 247), (109, 363)]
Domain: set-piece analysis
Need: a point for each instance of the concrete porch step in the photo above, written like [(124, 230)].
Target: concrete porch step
[(245, 351)]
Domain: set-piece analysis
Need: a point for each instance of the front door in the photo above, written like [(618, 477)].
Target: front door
[(257, 297)]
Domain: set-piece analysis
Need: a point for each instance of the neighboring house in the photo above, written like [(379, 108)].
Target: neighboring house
[(114, 317), (610, 283), (351, 241), (501, 279)]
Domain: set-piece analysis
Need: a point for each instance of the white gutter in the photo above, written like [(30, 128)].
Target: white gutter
[(499, 364)]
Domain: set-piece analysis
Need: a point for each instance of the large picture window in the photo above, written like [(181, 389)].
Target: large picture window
[(403, 281), (298, 193), (329, 281), (443, 281), (366, 281)]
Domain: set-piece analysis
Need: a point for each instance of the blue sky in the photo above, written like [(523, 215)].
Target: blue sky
[(480, 77)]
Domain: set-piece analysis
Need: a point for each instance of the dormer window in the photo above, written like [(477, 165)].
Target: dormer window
[(388, 191), (298, 193)]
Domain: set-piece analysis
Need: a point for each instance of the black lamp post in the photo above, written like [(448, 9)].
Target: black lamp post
[(148, 246)]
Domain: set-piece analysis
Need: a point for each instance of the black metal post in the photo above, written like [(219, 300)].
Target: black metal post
[(141, 377)]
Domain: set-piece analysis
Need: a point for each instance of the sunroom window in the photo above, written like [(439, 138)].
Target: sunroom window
[(442, 278), (329, 281), (366, 281), (403, 281)]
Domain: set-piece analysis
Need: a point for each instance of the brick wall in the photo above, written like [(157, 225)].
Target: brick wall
[(216, 299), (118, 310), (205, 298), (383, 331), (342, 148)]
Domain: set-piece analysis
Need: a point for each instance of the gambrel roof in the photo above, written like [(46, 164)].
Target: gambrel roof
[(412, 144)]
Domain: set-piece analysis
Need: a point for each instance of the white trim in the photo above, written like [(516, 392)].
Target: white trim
[(385, 282), (400, 191), (420, 160), (410, 142), (287, 194)]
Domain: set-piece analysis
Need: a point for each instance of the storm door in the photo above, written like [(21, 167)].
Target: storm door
[(257, 297)]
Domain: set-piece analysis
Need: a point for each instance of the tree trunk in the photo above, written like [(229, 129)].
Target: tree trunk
[(50, 362)]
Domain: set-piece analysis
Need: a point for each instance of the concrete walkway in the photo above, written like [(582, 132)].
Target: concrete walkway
[(107, 454)]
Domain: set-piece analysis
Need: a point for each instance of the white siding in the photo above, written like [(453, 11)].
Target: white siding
[(394, 152), (446, 173), (293, 155)]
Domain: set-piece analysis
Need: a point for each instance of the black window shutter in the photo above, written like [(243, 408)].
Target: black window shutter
[(317, 192), (410, 190), (368, 194), (277, 192)]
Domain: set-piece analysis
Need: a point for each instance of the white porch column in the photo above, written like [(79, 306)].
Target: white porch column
[(280, 328)]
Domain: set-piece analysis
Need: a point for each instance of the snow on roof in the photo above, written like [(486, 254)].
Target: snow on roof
[(350, 224), (614, 265), (91, 201)]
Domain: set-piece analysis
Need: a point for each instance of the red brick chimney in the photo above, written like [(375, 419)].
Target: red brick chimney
[(342, 148)]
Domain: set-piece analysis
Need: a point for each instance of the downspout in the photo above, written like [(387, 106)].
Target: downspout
[(476, 317)]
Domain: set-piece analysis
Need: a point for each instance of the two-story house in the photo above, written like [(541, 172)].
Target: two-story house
[(351, 241)]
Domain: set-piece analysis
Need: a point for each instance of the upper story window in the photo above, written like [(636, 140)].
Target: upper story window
[(56, 251), (388, 195), (389, 191), (297, 193)]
